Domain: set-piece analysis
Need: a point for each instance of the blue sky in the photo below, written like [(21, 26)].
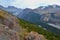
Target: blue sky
[(28, 3)]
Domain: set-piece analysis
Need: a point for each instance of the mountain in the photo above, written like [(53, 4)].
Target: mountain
[(51, 18), (48, 9), (24, 12), (15, 11), (48, 14), (11, 29), (29, 15), (12, 10)]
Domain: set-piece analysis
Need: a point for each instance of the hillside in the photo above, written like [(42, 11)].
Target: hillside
[(10, 29), (32, 27), (9, 26)]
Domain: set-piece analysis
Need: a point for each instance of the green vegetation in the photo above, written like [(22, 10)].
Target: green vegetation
[(33, 27)]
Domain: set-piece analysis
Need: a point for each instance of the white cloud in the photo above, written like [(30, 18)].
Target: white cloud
[(33, 3)]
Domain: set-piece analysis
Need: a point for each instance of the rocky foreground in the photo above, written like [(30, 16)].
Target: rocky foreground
[(34, 36), (11, 30)]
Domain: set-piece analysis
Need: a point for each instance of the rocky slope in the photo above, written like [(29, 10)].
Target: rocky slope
[(34, 36), (9, 26), (11, 30)]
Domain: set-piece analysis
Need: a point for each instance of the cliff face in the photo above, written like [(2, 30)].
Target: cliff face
[(11, 30)]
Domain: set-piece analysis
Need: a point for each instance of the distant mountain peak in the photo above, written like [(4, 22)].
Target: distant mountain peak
[(12, 7), (49, 6)]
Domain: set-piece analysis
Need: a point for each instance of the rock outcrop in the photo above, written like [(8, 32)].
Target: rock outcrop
[(34, 36)]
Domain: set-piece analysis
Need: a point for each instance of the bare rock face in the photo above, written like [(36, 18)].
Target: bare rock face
[(34, 36)]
